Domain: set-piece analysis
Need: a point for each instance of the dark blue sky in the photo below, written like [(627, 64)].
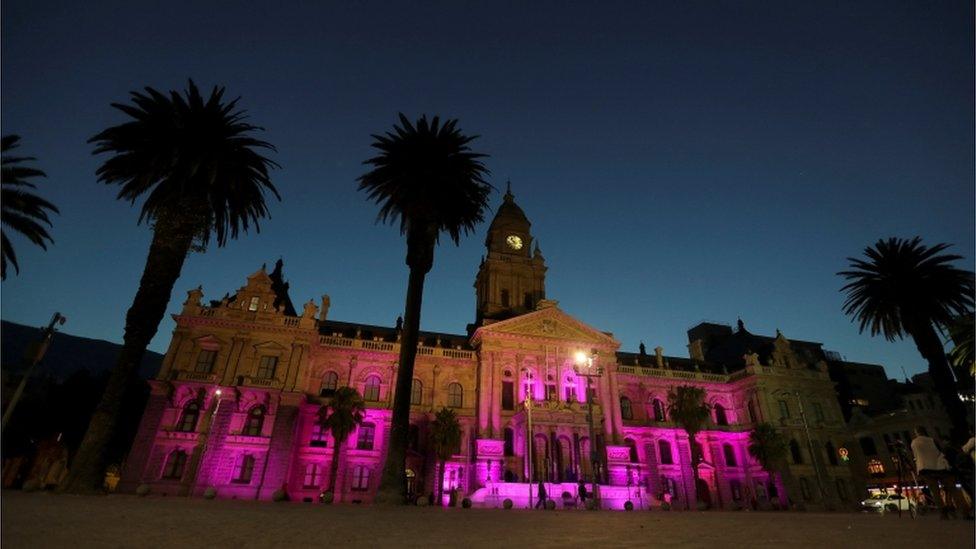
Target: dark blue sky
[(679, 162)]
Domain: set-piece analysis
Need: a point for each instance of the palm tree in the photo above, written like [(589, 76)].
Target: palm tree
[(768, 446), (962, 333), (903, 287), (202, 174), (687, 408), (427, 179), (22, 211), (340, 417), (445, 438)]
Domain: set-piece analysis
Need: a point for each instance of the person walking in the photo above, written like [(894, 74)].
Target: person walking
[(932, 466), (542, 496), (582, 494)]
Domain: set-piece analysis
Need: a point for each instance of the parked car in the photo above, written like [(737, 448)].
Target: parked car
[(880, 503)]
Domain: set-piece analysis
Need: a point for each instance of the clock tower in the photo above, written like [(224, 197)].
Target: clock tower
[(512, 277)]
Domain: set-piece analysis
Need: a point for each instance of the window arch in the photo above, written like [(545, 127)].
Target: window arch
[(795, 452), (254, 422), (729, 452), (720, 416), (664, 450), (330, 382), (416, 392), (634, 458), (371, 389), (175, 465), (188, 420), (626, 408), (455, 395), (658, 407)]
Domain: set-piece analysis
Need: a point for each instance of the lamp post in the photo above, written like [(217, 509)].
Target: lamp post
[(39, 349), (585, 368), (528, 434)]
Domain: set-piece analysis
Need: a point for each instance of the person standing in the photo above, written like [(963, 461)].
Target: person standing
[(542, 496), (582, 494)]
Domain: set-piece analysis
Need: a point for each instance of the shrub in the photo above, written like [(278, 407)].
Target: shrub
[(423, 501), (550, 504), (142, 490), (665, 506), (507, 503), (702, 506), (466, 503), (279, 495), (31, 485), (210, 492), (590, 504), (327, 497), (629, 506), (567, 495)]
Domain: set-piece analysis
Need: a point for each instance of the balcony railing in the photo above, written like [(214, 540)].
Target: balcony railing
[(672, 374), (392, 347), (203, 377)]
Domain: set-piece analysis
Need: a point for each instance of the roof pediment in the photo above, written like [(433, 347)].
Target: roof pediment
[(548, 323)]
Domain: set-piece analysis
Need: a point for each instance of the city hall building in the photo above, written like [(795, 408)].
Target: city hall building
[(236, 404)]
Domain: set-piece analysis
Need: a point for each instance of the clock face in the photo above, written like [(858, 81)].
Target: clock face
[(514, 242)]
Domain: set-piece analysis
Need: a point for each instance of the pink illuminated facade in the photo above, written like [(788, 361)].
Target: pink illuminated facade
[(235, 405)]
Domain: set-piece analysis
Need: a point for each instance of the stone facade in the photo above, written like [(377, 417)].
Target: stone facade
[(236, 403)]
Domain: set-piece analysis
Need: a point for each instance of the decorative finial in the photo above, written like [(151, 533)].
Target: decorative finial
[(508, 191), (741, 325)]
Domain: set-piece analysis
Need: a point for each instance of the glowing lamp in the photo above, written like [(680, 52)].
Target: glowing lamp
[(581, 358)]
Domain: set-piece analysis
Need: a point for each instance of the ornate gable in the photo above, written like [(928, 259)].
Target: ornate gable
[(549, 323)]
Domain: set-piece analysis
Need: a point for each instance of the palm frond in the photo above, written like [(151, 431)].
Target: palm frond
[(183, 152), (22, 211)]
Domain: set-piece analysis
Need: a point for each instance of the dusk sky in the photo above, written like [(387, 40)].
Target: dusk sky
[(678, 162)]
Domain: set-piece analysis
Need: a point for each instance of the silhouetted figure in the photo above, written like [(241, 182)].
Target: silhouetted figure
[(582, 493), (399, 324), (542, 496), (642, 348)]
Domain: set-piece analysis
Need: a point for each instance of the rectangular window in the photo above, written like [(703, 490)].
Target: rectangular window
[(551, 393), (505, 302), (508, 395), (818, 411), (318, 439), (365, 438), (313, 475), (784, 409), (267, 367), (243, 469), (253, 305), (570, 393), (528, 301), (360, 478), (205, 362)]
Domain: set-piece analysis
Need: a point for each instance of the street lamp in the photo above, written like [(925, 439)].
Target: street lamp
[(585, 368), (813, 452)]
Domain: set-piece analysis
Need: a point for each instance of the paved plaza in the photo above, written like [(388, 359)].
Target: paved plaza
[(47, 520)]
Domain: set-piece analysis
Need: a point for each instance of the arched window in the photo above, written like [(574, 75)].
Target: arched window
[(205, 361), (831, 452), (371, 391), (365, 438), (243, 469), (416, 392), (175, 465), (658, 410), (795, 452), (254, 422), (664, 450), (188, 421), (626, 409), (720, 417), (509, 442), (455, 395), (729, 452), (634, 458), (329, 384)]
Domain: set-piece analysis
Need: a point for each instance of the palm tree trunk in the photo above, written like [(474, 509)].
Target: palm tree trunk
[(164, 263), (334, 468), (420, 257), (930, 346)]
